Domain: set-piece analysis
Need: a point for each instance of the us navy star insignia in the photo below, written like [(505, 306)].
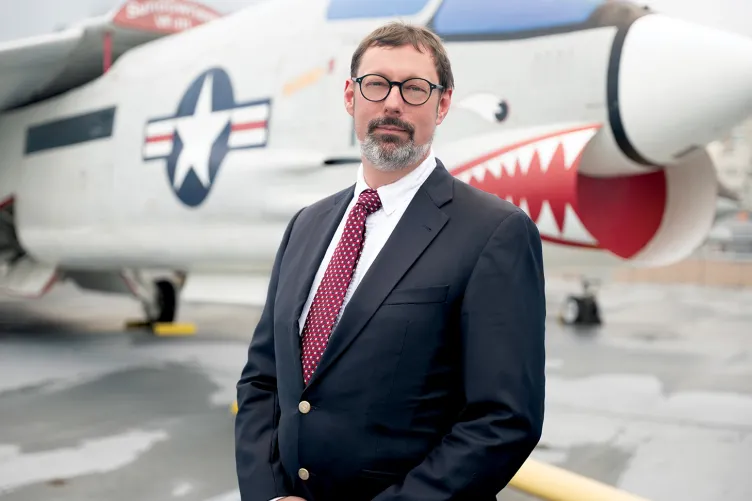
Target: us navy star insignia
[(207, 126)]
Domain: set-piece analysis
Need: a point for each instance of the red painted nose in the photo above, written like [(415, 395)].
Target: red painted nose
[(540, 175)]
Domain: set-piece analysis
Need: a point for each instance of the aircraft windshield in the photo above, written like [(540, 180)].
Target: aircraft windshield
[(352, 9), (487, 17)]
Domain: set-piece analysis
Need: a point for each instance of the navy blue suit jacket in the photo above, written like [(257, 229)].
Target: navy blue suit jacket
[(432, 385)]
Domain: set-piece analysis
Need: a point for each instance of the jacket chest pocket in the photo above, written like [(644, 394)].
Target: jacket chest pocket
[(418, 295)]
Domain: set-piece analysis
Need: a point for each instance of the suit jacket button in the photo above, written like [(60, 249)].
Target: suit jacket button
[(304, 407), (303, 474)]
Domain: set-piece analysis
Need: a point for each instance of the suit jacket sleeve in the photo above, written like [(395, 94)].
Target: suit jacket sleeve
[(503, 331), (260, 474)]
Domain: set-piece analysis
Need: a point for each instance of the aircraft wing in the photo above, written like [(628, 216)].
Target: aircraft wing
[(37, 68), (28, 67)]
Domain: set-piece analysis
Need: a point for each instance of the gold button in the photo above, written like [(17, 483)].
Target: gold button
[(304, 407), (303, 474)]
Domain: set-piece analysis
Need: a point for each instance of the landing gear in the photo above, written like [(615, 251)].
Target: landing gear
[(581, 310), (159, 300), (165, 303)]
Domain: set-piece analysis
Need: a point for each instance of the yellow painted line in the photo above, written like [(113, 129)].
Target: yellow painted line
[(173, 329), (234, 407), (548, 482)]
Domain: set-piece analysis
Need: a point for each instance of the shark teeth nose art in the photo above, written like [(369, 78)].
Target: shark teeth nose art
[(540, 177)]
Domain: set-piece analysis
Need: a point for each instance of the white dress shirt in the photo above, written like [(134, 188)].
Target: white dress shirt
[(395, 198)]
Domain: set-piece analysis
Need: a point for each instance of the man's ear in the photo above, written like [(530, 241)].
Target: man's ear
[(350, 97), (445, 102)]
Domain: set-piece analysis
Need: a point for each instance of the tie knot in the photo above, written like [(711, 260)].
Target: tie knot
[(370, 200)]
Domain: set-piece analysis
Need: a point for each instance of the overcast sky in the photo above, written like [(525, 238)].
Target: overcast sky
[(21, 18)]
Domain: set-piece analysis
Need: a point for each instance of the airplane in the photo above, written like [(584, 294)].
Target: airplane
[(160, 151)]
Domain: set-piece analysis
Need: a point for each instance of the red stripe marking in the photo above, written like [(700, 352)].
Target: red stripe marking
[(7, 202), (156, 139), (48, 286), (249, 126)]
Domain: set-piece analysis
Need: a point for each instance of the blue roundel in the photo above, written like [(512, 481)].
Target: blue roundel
[(208, 124), (192, 190), (222, 96)]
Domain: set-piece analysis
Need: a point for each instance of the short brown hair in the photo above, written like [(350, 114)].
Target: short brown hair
[(398, 34)]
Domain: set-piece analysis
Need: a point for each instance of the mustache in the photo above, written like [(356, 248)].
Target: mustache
[(390, 121)]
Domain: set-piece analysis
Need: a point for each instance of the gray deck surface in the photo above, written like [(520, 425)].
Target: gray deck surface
[(658, 401)]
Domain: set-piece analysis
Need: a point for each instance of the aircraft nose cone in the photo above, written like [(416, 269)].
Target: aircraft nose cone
[(678, 86)]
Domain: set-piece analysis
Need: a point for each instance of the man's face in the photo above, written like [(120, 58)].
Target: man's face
[(394, 134)]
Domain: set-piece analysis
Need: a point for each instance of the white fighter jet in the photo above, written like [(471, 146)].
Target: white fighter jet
[(141, 157)]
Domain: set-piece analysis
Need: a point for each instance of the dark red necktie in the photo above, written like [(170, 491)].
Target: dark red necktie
[(330, 295)]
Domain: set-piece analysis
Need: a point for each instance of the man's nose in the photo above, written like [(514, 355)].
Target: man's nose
[(393, 104)]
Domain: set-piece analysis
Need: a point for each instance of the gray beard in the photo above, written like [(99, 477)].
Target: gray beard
[(388, 156)]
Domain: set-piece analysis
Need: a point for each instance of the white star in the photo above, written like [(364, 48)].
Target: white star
[(198, 133)]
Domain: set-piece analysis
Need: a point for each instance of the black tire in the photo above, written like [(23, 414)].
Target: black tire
[(590, 313), (167, 301), (571, 311), (580, 310)]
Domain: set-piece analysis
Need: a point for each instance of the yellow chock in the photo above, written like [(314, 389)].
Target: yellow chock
[(174, 329), (162, 328), (234, 407), (548, 482)]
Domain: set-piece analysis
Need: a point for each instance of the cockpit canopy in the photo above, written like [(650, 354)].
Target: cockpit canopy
[(476, 18)]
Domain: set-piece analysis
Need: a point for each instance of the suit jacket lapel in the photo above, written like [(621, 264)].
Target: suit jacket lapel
[(308, 257), (420, 224)]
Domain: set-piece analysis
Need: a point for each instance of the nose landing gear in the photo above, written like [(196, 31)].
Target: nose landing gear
[(581, 310)]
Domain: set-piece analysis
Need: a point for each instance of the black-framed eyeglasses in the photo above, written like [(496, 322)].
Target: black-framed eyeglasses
[(414, 91)]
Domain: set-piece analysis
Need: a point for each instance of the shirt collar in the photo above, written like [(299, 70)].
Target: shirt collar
[(393, 194)]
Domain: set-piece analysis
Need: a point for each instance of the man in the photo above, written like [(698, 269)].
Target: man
[(400, 353)]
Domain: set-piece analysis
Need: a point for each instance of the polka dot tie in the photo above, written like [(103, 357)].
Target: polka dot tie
[(330, 295)]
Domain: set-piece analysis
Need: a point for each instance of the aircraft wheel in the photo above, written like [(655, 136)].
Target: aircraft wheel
[(570, 311), (590, 312), (581, 310), (166, 302)]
